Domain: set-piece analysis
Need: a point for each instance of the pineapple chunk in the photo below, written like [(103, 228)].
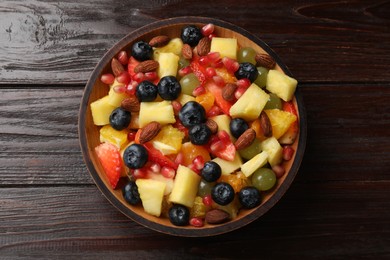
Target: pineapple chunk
[(175, 45), (223, 122), (250, 104), (101, 111), (168, 140), (281, 84), (272, 147), (161, 112), (228, 167), (115, 99), (158, 177), (280, 121), (152, 194), (185, 186), (255, 163), (227, 47), (168, 64), (117, 138), (183, 99)]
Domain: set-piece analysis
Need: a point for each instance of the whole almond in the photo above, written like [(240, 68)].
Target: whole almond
[(212, 125), (159, 41), (264, 60), (186, 51), (217, 216), (245, 139), (131, 104), (265, 124), (228, 91), (204, 46), (146, 66), (149, 131), (116, 67)]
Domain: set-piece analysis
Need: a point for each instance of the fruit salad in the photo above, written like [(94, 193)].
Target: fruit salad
[(199, 127)]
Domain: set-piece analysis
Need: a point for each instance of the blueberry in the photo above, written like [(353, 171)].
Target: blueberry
[(249, 197), (192, 113), (247, 70), (135, 156), (142, 51), (199, 134), (238, 126), (169, 88), (130, 193), (191, 35), (211, 171), (146, 91), (222, 193), (179, 215), (120, 118)]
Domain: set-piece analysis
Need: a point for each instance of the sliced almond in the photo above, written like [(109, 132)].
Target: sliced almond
[(228, 91), (159, 41), (264, 60), (265, 124), (204, 46), (186, 51), (149, 131), (146, 66), (116, 67), (131, 104), (245, 139), (217, 216)]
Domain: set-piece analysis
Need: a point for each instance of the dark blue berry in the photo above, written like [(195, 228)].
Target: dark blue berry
[(238, 126), (179, 215), (169, 88), (146, 91), (199, 134), (222, 193), (142, 51), (130, 193), (211, 171), (135, 156), (191, 35), (120, 118), (249, 197), (247, 70), (192, 113)]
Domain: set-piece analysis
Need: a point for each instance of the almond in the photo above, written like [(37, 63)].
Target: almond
[(245, 139), (186, 51), (116, 67), (217, 216), (131, 104), (204, 46), (212, 125), (159, 41), (228, 91), (264, 60), (149, 131), (265, 124), (146, 66)]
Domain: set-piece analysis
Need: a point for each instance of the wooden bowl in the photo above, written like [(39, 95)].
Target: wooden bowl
[(89, 133)]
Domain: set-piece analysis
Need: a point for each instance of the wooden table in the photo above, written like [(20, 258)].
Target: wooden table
[(339, 204)]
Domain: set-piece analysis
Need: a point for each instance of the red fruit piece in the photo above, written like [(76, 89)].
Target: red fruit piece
[(199, 71), (132, 64), (196, 222), (219, 100), (156, 156), (292, 132), (111, 161), (222, 147)]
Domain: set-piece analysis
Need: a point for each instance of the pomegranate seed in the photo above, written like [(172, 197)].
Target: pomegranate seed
[(107, 78), (243, 83), (131, 87), (208, 29), (217, 64), (124, 78), (151, 76), (230, 64), (123, 57), (155, 167), (199, 90), (198, 162), (219, 81), (214, 111), (213, 56), (278, 170), (119, 89), (179, 158), (131, 136), (204, 61), (239, 92), (176, 107), (139, 173), (288, 152), (196, 222), (210, 72), (223, 136), (212, 35), (217, 146), (193, 168), (168, 172), (207, 200), (184, 71), (139, 77)]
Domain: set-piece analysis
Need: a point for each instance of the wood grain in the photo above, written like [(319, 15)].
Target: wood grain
[(59, 43)]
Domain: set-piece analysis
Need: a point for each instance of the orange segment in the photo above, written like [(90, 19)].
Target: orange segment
[(206, 100), (190, 151)]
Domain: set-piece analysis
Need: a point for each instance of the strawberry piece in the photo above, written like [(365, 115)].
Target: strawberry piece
[(111, 160), (199, 71), (156, 156), (228, 153), (223, 104), (222, 147), (132, 64), (292, 132)]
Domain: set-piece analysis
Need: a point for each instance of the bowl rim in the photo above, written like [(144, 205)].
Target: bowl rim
[(173, 230)]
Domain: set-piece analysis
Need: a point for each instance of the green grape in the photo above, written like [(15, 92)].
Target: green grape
[(261, 80), (205, 188), (183, 63), (188, 83), (246, 54), (251, 151), (263, 179), (273, 102)]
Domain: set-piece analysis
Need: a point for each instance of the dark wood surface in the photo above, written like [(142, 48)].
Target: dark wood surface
[(339, 204)]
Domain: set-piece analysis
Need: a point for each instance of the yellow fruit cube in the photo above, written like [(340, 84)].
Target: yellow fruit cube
[(168, 64), (101, 111), (115, 99), (228, 167), (161, 112), (168, 140), (273, 149), (185, 186), (174, 46), (151, 193), (255, 163), (227, 47), (117, 138), (183, 99), (280, 121), (281, 84), (223, 122)]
